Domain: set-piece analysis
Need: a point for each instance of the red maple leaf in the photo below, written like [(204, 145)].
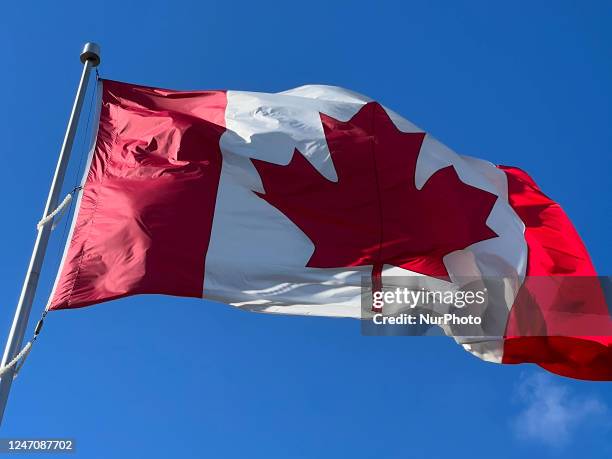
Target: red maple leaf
[(374, 214)]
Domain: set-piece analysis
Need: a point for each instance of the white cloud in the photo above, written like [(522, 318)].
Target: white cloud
[(552, 413)]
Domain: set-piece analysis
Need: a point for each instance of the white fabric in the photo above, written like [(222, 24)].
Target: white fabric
[(246, 229)]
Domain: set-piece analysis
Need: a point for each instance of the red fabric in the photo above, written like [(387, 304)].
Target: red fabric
[(555, 248), (549, 305), (147, 206)]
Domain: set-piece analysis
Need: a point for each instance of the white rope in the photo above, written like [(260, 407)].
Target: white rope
[(22, 354), (20, 358), (59, 209)]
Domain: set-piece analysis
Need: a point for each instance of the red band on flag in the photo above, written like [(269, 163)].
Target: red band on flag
[(146, 211), (555, 249)]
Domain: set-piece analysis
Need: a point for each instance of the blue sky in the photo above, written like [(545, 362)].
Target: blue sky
[(519, 83)]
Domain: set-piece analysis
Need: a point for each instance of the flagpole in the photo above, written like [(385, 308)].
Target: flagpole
[(90, 57)]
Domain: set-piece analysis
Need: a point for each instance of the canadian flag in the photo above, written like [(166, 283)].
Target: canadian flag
[(282, 203)]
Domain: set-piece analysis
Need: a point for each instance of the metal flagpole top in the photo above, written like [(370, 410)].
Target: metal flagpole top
[(91, 52)]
